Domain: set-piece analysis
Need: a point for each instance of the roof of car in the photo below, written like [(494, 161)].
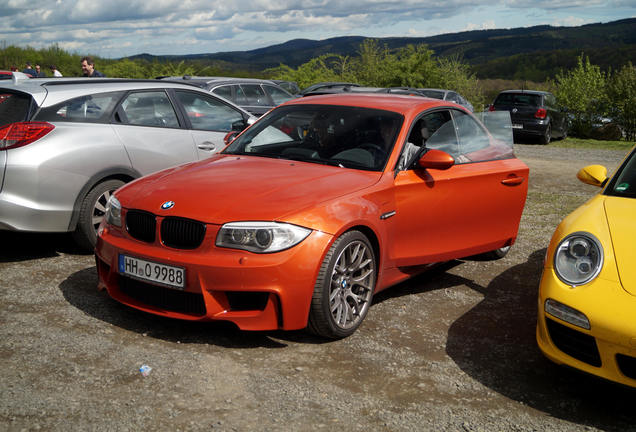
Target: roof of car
[(210, 80), (59, 89), (539, 92), (386, 101)]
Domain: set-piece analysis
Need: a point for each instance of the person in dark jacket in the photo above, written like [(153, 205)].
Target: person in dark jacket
[(29, 70), (39, 73), (88, 68)]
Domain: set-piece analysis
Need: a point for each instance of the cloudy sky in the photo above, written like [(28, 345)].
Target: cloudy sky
[(117, 28)]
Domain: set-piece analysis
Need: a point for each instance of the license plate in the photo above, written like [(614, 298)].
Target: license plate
[(151, 271), (517, 126)]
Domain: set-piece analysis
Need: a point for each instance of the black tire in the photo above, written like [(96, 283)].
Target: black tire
[(91, 212), (495, 254), (547, 135), (344, 288)]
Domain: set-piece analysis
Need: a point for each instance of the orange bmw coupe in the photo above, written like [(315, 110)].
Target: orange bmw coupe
[(322, 203)]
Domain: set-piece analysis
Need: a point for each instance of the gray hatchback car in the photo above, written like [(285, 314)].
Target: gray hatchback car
[(254, 95), (67, 144)]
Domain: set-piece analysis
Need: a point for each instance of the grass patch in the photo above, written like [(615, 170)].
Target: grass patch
[(593, 144)]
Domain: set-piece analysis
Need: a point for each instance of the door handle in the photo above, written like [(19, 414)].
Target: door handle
[(512, 181), (207, 146)]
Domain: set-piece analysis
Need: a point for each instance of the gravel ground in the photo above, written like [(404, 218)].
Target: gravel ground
[(452, 349)]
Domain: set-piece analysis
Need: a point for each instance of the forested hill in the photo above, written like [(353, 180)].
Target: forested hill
[(526, 53)]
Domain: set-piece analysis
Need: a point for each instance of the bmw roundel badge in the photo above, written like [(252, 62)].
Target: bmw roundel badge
[(167, 205)]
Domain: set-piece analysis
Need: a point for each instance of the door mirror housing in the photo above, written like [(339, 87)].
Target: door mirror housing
[(436, 159), (595, 175)]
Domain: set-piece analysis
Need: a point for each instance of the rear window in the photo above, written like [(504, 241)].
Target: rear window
[(14, 107), (433, 94), (95, 108), (518, 99)]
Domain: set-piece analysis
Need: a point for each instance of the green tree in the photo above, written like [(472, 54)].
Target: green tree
[(454, 74), (582, 91), (327, 67), (621, 90)]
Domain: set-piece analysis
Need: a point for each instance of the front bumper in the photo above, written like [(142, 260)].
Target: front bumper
[(608, 349), (254, 291)]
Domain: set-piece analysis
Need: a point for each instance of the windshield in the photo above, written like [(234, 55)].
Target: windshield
[(351, 137), (624, 182), (518, 99)]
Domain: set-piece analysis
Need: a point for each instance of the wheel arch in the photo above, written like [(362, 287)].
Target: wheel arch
[(124, 174), (373, 239)]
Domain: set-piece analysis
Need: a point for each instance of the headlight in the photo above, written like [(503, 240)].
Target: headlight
[(113, 211), (260, 237), (578, 258)]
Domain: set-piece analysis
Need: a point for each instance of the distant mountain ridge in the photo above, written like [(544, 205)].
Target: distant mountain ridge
[(479, 48)]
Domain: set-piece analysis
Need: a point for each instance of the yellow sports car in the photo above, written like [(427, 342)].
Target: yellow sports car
[(587, 296)]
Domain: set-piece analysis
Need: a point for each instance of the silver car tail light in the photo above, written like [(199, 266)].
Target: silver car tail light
[(22, 133)]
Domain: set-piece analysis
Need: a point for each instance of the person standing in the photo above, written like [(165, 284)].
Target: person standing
[(56, 73), (29, 70), (88, 68), (38, 71)]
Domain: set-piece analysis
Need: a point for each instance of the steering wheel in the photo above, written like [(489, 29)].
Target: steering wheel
[(375, 149)]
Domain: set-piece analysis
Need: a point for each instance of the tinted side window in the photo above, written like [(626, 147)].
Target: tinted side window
[(277, 95), (453, 97), (151, 108), (550, 101), (95, 108), (255, 95), (14, 107), (224, 92), (208, 113)]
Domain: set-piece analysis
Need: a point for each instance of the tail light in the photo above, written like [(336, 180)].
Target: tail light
[(541, 113), (491, 108), (20, 134)]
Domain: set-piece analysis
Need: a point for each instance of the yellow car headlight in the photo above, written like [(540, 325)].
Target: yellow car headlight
[(578, 258)]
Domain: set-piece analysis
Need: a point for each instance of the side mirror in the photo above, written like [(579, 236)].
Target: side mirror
[(229, 137), (595, 175), (436, 159), (239, 125)]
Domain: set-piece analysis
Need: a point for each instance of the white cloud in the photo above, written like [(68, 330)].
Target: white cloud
[(486, 25), (570, 21)]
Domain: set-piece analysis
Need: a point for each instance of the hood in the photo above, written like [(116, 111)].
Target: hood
[(622, 224), (228, 188)]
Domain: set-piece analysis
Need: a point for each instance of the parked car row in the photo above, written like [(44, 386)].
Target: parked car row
[(312, 209)]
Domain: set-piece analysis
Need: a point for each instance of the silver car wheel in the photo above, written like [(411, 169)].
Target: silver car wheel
[(99, 210), (351, 285), (92, 211), (344, 287)]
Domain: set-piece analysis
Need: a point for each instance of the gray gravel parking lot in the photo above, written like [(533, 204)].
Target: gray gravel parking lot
[(452, 349)]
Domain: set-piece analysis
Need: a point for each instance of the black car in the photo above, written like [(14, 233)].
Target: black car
[(534, 114), (254, 95)]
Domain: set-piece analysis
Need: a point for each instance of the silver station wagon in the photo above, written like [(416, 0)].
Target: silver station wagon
[(67, 144)]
